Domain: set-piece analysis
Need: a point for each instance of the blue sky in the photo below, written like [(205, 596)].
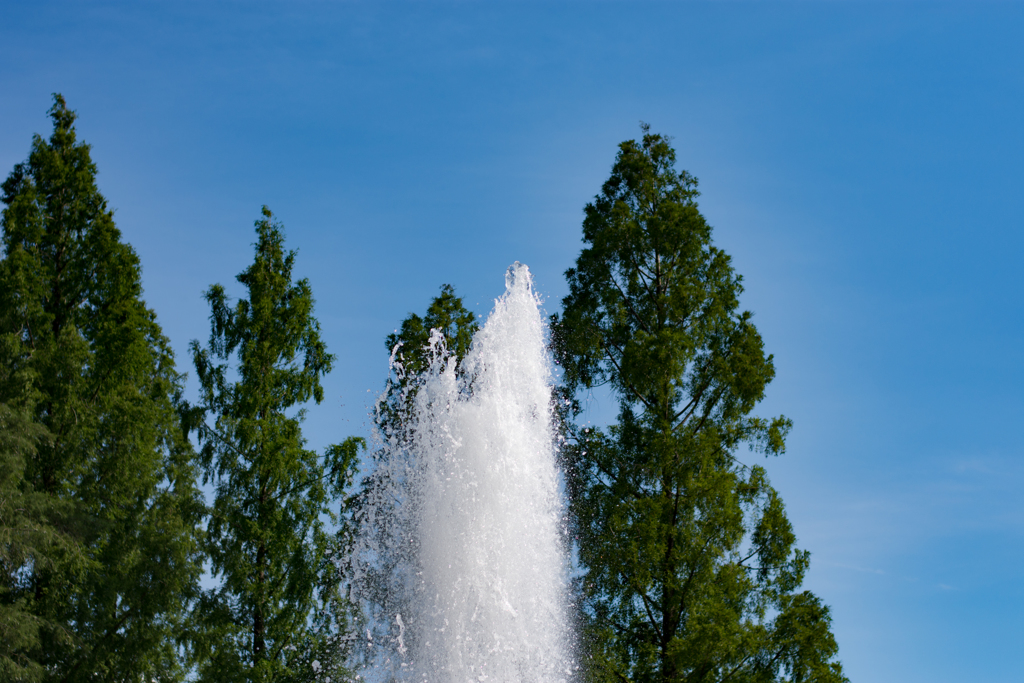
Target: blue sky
[(861, 162)]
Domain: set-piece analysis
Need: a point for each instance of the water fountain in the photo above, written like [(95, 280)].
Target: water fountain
[(462, 564)]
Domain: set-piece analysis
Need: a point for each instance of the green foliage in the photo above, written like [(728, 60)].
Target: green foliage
[(279, 605), (447, 315), (691, 573), (376, 511), (410, 346), (29, 531), (103, 558)]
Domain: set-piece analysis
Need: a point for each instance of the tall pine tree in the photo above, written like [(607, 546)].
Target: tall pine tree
[(30, 522), (279, 613), (410, 345), (691, 572), (113, 478), (382, 560)]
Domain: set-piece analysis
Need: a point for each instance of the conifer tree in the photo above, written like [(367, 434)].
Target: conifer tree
[(112, 479), (280, 612), (691, 569), (30, 534), (372, 511), (446, 314)]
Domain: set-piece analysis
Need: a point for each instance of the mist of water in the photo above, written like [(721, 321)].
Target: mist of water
[(462, 556)]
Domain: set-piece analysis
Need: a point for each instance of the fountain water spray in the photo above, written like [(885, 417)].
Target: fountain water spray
[(461, 562)]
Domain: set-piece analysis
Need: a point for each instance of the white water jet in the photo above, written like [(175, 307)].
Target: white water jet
[(462, 561)]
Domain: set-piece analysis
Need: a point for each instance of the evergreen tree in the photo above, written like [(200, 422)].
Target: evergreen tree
[(383, 562), (410, 343), (279, 612), (113, 475), (446, 314), (691, 572), (30, 535)]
